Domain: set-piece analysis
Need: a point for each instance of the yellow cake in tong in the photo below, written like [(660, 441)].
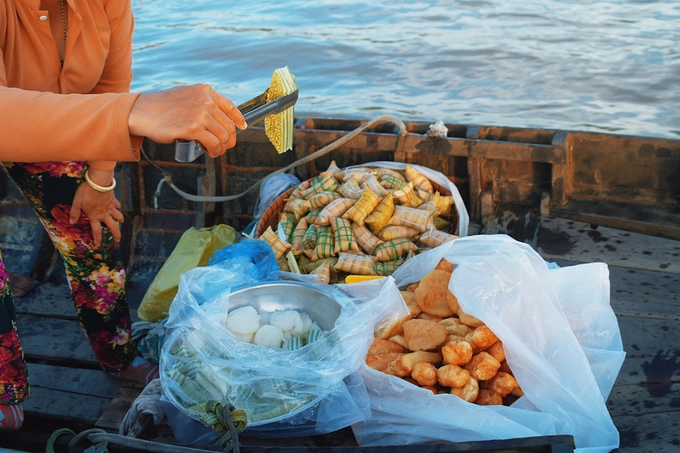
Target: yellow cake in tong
[(279, 127)]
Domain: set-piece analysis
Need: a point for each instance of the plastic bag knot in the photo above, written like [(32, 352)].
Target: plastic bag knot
[(221, 419)]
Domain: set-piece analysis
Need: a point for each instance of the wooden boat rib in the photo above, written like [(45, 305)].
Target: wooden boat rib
[(574, 196)]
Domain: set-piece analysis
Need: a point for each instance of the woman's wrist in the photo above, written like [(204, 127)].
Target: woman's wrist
[(100, 180)]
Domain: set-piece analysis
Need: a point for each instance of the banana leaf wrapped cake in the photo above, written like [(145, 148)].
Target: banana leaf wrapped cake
[(365, 220)]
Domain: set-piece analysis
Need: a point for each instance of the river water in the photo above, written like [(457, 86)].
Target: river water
[(610, 66)]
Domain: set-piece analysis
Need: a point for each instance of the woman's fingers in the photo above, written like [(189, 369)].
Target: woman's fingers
[(222, 132), (195, 112), (226, 106), (97, 207)]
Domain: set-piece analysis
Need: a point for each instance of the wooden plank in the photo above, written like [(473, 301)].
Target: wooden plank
[(416, 143), (649, 337), (657, 432), (646, 370), (54, 339), (50, 300), (113, 415), (646, 308), (65, 406), (644, 399), (644, 218), (487, 149), (626, 167), (74, 380), (638, 283), (47, 299), (561, 239), (475, 170), (562, 173)]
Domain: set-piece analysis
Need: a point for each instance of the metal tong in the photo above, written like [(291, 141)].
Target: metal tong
[(254, 111)]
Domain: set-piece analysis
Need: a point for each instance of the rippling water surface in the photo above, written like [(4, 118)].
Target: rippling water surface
[(583, 65)]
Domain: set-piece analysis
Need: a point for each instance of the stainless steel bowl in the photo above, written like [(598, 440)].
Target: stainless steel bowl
[(285, 295)]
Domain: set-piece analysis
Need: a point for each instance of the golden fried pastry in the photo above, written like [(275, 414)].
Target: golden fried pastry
[(504, 366), (439, 347), (392, 329), (452, 376), (497, 351), (483, 366), (455, 327), (410, 380), (481, 338), (412, 286), (455, 338), (396, 327), (429, 317), (488, 397), (452, 300), (444, 265), (410, 300), (469, 391), (502, 383), (425, 374), (391, 368), (399, 339), (381, 346), (457, 353), (380, 361), (404, 364), (424, 335), (468, 320), (433, 293)]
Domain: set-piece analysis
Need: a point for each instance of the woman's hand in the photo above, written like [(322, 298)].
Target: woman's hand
[(194, 112), (98, 206)]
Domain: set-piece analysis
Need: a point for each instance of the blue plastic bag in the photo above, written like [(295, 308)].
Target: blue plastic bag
[(251, 257)]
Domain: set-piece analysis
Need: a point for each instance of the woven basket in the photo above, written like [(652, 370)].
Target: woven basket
[(270, 217)]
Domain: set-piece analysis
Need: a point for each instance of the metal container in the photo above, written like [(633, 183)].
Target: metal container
[(285, 295)]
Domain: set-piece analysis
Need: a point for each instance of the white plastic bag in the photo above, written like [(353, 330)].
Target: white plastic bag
[(560, 337)]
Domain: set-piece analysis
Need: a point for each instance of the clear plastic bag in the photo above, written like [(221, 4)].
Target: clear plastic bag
[(560, 337), (284, 392)]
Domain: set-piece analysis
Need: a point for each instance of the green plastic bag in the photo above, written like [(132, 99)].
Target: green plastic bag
[(194, 249)]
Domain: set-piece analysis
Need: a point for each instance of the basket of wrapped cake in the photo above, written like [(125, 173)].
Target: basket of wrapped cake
[(364, 220)]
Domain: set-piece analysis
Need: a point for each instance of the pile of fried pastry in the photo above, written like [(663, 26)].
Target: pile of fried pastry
[(439, 347)]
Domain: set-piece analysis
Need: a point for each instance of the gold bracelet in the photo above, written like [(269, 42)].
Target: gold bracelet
[(97, 187)]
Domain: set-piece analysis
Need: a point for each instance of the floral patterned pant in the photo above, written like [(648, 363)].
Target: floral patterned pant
[(96, 276)]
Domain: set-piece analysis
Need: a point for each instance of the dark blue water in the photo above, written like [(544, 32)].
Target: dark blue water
[(582, 65)]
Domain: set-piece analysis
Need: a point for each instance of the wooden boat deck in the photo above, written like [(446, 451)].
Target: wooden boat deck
[(68, 390)]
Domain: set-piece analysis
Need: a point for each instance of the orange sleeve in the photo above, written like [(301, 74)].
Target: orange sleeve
[(70, 126)]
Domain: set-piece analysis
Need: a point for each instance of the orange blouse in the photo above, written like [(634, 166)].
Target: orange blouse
[(75, 112)]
